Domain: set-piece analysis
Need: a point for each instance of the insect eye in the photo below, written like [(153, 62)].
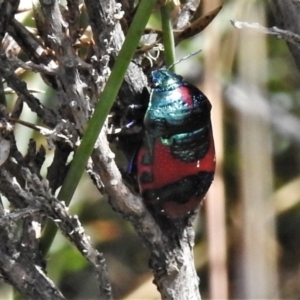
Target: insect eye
[(153, 83)]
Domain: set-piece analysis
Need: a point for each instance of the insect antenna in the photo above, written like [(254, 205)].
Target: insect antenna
[(184, 58)]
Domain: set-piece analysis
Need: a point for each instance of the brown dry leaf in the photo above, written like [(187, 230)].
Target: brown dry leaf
[(197, 26), (87, 36)]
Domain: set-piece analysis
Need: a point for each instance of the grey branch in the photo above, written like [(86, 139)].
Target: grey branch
[(286, 14), (38, 195), (28, 278), (17, 214), (286, 35), (20, 87)]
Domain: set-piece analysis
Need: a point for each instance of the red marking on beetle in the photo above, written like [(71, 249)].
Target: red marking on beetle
[(186, 95), (166, 169)]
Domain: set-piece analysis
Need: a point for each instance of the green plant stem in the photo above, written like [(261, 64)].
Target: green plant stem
[(101, 111), (168, 37)]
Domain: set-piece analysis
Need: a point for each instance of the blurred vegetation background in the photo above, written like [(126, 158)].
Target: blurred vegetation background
[(248, 231)]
